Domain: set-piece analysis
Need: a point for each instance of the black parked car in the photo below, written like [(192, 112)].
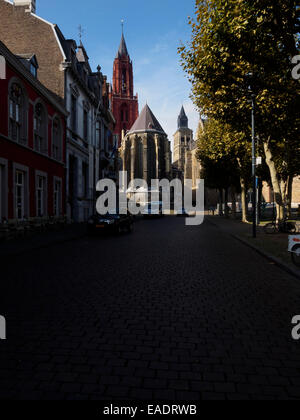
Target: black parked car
[(110, 223)]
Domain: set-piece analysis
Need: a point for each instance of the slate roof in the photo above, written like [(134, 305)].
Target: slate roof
[(182, 119), (122, 48), (146, 122), (182, 112)]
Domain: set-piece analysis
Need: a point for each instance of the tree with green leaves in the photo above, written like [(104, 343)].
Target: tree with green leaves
[(230, 39), (226, 159)]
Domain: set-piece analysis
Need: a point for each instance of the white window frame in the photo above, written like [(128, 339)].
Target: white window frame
[(3, 189), (44, 191), (18, 114), (57, 201), (26, 194), (40, 132)]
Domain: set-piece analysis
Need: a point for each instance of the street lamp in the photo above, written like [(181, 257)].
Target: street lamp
[(254, 205)]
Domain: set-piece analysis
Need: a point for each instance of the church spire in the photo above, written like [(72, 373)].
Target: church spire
[(182, 119), (122, 52)]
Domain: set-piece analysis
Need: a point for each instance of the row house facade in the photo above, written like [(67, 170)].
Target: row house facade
[(32, 142), (64, 69)]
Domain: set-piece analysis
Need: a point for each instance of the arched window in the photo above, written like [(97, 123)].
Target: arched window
[(56, 139), (124, 81), (40, 129), (17, 114)]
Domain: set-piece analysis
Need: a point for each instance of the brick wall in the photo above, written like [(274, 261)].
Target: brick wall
[(268, 196), (24, 33), (296, 190)]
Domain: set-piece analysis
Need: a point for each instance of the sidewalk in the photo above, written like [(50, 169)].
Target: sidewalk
[(41, 240), (274, 247)]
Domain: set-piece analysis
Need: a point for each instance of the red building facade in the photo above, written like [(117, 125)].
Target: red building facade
[(124, 104), (32, 143)]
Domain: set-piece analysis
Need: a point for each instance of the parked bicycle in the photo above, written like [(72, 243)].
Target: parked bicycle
[(284, 226)]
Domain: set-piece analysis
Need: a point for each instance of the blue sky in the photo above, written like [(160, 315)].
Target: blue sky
[(153, 31)]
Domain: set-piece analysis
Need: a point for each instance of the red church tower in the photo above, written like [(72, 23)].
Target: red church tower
[(124, 104)]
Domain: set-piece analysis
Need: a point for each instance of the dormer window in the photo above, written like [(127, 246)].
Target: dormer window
[(30, 62), (33, 70)]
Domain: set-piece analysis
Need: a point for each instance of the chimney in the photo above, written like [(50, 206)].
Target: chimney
[(27, 3)]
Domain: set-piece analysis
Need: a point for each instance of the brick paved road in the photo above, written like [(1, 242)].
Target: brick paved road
[(169, 312)]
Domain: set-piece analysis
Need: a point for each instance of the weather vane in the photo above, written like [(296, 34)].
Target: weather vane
[(81, 32), (122, 23)]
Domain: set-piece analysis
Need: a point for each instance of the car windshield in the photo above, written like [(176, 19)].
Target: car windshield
[(110, 216)]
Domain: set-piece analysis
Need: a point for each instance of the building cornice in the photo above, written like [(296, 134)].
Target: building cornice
[(58, 162)]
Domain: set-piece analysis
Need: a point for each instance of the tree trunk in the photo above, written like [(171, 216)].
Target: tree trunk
[(243, 194), (226, 203), (275, 182), (290, 196), (283, 188), (244, 200), (233, 201), (220, 202)]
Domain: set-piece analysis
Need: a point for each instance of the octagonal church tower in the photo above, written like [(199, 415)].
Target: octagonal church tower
[(145, 150)]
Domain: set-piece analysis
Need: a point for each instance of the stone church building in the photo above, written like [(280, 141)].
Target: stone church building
[(145, 150)]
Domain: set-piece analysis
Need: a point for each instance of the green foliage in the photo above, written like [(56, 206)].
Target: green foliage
[(231, 38), (224, 155)]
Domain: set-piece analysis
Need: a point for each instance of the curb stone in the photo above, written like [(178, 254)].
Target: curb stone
[(46, 245), (264, 254)]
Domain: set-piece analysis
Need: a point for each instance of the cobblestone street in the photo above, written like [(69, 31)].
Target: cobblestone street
[(167, 313)]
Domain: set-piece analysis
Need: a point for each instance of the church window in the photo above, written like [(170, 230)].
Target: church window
[(124, 80)]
